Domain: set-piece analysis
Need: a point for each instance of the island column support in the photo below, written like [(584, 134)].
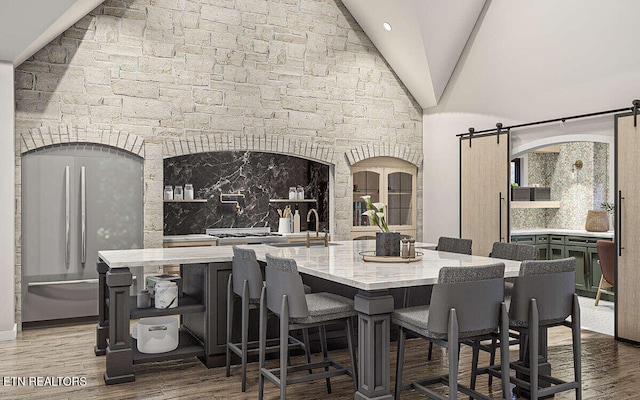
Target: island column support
[(119, 368), (102, 329), (374, 348)]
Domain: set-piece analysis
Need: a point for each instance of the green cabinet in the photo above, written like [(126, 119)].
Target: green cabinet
[(583, 248)]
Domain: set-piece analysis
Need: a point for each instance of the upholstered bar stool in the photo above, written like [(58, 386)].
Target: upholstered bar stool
[(284, 295), (543, 297), (450, 245), (505, 251), (454, 245), (246, 283), (466, 304)]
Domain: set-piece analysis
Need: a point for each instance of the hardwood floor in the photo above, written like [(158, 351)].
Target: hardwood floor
[(610, 370)]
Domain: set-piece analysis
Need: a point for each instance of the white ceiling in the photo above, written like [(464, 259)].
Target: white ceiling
[(425, 42), (28, 25)]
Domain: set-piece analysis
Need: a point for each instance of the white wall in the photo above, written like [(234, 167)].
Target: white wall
[(529, 61), (7, 199)]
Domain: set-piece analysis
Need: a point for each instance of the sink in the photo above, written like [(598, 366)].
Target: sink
[(302, 244)]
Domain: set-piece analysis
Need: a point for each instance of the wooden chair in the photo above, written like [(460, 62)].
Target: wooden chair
[(606, 258)]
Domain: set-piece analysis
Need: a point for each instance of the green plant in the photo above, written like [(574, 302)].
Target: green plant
[(609, 207), (375, 212), (514, 184)]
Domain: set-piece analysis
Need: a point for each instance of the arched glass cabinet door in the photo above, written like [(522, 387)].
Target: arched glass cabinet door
[(364, 183), (400, 195)]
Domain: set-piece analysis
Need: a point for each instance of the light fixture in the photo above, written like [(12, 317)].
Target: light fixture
[(387, 26), (575, 168)]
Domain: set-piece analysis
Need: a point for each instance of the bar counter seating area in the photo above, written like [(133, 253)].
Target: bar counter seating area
[(467, 311)]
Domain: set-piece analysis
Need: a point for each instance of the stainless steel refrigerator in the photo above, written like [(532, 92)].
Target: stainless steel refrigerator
[(77, 199)]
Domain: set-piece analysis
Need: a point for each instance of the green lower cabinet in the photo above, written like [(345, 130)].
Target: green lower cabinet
[(582, 270), (542, 251), (556, 251)]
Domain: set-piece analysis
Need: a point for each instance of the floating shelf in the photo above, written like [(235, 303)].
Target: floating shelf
[(535, 204), (186, 201), (293, 200)]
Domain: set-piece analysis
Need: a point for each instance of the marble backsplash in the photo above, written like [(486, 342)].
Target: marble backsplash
[(259, 176), (576, 196)]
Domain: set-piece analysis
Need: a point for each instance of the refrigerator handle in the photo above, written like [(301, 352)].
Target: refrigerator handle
[(67, 223), (83, 213)]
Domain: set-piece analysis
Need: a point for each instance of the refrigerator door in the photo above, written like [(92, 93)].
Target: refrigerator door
[(59, 277)]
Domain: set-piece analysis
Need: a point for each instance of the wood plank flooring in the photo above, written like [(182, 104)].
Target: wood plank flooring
[(610, 370)]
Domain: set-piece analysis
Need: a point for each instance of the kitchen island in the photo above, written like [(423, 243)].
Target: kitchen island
[(203, 274)]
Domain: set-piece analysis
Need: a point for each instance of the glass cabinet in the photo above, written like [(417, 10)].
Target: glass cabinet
[(390, 181)]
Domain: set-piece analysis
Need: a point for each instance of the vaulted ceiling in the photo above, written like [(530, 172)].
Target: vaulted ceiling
[(425, 41)]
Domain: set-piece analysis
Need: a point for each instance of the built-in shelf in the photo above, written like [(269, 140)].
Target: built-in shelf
[(535, 204), (188, 346), (186, 305), (186, 201), (293, 200)]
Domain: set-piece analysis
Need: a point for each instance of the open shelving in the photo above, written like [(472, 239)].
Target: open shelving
[(293, 200), (535, 204), (186, 201), (188, 346)]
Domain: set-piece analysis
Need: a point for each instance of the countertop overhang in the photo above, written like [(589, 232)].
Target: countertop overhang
[(340, 262)]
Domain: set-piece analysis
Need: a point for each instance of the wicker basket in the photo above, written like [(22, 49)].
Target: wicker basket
[(597, 221)]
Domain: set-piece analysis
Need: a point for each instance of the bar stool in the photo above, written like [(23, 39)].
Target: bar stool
[(543, 297), (466, 303), (246, 283), (283, 295)]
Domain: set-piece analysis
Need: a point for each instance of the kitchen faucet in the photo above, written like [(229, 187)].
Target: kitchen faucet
[(309, 238)]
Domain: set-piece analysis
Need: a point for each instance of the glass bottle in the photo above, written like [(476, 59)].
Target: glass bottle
[(168, 192), (177, 193), (292, 193), (188, 191), (300, 192)]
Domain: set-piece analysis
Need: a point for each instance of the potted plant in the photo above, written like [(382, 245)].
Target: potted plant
[(610, 208), (387, 242)]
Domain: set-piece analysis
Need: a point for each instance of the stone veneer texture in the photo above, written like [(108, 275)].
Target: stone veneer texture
[(554, 170), (301, 69)]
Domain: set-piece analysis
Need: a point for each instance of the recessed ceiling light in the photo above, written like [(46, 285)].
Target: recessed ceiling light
[(387, 26)]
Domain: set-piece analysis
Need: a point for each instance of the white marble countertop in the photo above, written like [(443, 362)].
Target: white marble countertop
[(340, 262), (566, 232), (196, 237)]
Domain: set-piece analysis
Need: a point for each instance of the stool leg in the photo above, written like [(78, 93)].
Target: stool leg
[(492, 357), (474, 364), (504, 350), (323, 344), (307, 346), (262, 342), (245, 332), (533, 348), (454, 348), (400, 362), (229, 322), (577, 346), (599, 292), (430, 351), (352, 353), (284, 346)]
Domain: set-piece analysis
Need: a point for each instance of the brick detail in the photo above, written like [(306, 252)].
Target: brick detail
[(369, 150), (50, 135), (241, 142)]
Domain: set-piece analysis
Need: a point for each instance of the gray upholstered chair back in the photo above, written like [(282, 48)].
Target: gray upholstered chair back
[(245, 267), (454, 245), (513, 251), (551, 283), (476, 294), (282, 278)]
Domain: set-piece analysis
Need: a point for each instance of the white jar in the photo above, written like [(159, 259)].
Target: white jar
[(177, 193), (300, 192), (168, 192), (188, 191), (292, 193), (166, 295)]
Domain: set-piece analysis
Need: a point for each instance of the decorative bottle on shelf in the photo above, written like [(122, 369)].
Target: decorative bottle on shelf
[(292, 193), (188, 191), (177, 193), (296, 222), (168, 192)]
